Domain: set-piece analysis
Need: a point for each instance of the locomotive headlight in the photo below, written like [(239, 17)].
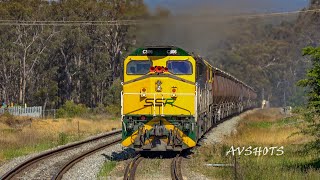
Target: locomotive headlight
[(158, 86), (143, 92), (159, 89)]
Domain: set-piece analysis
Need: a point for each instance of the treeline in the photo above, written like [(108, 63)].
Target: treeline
[(73, 59), (70, 59), (266, 53)]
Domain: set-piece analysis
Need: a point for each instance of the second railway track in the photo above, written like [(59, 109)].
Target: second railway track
[(96, 143)]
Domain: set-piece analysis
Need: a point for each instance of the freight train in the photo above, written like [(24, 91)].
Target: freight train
[(171, 98)]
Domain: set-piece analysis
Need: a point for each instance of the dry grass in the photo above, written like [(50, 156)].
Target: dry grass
[(263, 128), (267, 127), (22, 135), (274, 135), (71, 126), (266, 115)]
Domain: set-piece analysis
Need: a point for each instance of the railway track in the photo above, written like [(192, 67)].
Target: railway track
[(17, 171), (131, 168), (80, 157), (176, 168)]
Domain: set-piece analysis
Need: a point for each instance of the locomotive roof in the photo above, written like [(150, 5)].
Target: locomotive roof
[(160, 51)]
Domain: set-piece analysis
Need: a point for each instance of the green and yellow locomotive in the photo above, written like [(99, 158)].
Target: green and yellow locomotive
[(171, 98)]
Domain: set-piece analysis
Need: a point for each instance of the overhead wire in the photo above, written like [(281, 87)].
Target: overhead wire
[(132, 22)]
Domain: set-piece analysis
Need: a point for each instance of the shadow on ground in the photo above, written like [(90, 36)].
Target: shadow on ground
[(120, 156)]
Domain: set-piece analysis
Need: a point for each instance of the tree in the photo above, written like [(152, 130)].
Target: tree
[(312, 82), (51, 64)]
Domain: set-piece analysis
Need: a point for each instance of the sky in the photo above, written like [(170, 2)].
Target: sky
[(248, 6), (202, 24)]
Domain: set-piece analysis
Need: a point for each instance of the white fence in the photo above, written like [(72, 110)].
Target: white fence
[(20, 111)]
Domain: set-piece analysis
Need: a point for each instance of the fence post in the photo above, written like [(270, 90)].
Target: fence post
[(78, 130)]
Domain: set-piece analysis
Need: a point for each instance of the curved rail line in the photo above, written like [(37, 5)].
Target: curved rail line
[(19, 168), (77, 159), (176, 168), (132, 167)]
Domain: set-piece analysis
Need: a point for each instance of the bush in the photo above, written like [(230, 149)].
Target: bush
[(113, 100), (298, 110), (114, 110), (70, 110), (100, 109), (63, 138)]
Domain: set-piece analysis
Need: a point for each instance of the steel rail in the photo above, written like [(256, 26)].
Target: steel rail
[(131, 168), (176, 168), (24, 165), (79, 158)]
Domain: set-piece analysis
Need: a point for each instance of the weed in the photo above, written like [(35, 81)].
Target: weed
[(63, 138), (107, 167)]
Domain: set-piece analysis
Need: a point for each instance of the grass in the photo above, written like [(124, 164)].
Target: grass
[(22, 135), (263, 128), (107, 167), (16, 152)]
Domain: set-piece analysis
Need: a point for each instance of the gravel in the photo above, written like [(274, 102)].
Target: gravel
[(89, 167), (45, 169), (225, 128)]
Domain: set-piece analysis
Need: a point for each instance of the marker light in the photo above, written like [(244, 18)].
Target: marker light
[(174, 90), (166, 69), (143, 92), (159, 69)]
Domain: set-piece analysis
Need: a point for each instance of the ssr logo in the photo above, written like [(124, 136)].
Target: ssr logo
[(159, 102)]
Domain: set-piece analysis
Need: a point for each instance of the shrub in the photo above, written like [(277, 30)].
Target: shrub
[(114, 110), (70, 110), (113, 99), (63, 138), (100, 109)]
